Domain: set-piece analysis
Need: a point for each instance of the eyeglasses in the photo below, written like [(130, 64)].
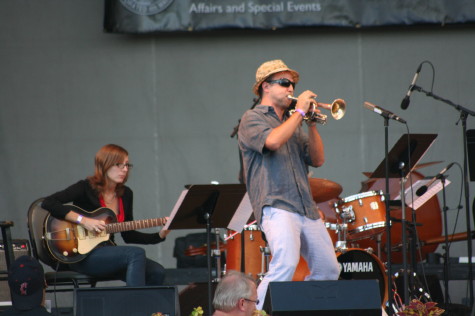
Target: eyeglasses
[(123, 165), (283, 82), (255, 302)]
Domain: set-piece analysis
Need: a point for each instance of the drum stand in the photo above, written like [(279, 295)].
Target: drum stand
[(341, 230), (378, 245), (346, 215), (265, 259), (216, 253)]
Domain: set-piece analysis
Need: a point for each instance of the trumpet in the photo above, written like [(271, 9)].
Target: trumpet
[(337, 108)]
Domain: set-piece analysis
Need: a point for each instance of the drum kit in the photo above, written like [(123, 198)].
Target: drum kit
[(358, 221), (350, 219)]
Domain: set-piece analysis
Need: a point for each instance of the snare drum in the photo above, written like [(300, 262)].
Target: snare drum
[(364, 213), (359, 264)]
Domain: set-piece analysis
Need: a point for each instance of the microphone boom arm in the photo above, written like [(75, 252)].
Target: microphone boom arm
[(436, 97)]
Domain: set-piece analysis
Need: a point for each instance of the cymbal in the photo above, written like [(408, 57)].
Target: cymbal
[(324, 190)]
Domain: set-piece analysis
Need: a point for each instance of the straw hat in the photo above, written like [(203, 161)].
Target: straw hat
[(269, 68)]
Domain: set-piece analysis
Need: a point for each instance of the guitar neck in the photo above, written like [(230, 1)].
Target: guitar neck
[(133, 225)]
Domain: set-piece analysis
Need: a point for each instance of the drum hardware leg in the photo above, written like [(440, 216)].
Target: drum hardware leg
[(262, 261), (216, 253), (217, 257), (342, 230), (265, 255), (223, 273), (378, 245), (341, 246)]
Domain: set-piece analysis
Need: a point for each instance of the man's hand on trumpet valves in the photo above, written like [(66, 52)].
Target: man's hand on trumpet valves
[(305, 100)]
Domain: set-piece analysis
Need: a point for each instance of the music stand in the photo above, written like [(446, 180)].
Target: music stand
[(210, 206), (400, 161), (406, 153)]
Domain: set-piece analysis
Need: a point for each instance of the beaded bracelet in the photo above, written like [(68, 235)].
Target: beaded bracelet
[(301, 112)]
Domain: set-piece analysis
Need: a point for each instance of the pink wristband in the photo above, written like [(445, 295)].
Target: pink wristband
[(301, 112)]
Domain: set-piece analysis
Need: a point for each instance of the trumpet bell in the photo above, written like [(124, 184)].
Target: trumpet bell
[(338, 109)]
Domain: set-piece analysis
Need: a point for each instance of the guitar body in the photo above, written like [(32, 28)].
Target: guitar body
[(68, 242)]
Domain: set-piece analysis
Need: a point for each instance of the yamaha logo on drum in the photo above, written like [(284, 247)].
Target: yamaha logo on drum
[(347, 267)]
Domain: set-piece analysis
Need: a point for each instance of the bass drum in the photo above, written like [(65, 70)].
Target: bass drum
[(359, 264)]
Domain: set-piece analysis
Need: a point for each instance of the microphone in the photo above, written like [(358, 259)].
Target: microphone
[(383, 112), (423, 189), (405, 101)]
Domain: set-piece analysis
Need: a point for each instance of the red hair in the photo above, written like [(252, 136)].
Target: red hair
[(107, 157)]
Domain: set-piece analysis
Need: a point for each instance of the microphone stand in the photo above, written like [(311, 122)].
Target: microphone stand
[(388, 211), (464, 112), (446, 254), (404, 237)]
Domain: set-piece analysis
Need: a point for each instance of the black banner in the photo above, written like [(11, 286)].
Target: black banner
[(146, 16)]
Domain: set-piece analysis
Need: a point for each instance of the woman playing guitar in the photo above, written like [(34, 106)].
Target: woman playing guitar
[(80, 234)]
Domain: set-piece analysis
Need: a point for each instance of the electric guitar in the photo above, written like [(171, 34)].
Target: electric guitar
[(69, 242)]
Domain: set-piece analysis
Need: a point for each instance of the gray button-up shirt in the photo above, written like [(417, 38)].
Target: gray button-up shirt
[(275, 178)]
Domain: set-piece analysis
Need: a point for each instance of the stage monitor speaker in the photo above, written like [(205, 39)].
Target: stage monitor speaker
[(194, 295), (21, 247), (130, 301), (318, 298), (471, 153)]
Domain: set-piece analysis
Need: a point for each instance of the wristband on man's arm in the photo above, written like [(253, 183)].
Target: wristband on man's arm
[(301, 112)]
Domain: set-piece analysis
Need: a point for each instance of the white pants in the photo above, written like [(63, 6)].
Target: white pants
[(290, 235)]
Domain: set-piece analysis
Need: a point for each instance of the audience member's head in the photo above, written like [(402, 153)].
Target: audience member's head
[(27, 283), (235, 294)]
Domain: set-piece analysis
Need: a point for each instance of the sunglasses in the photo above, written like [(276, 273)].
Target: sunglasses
[(284, 82)]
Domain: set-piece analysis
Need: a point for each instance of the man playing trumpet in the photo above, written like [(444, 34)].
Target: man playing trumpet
[(276, 153)]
